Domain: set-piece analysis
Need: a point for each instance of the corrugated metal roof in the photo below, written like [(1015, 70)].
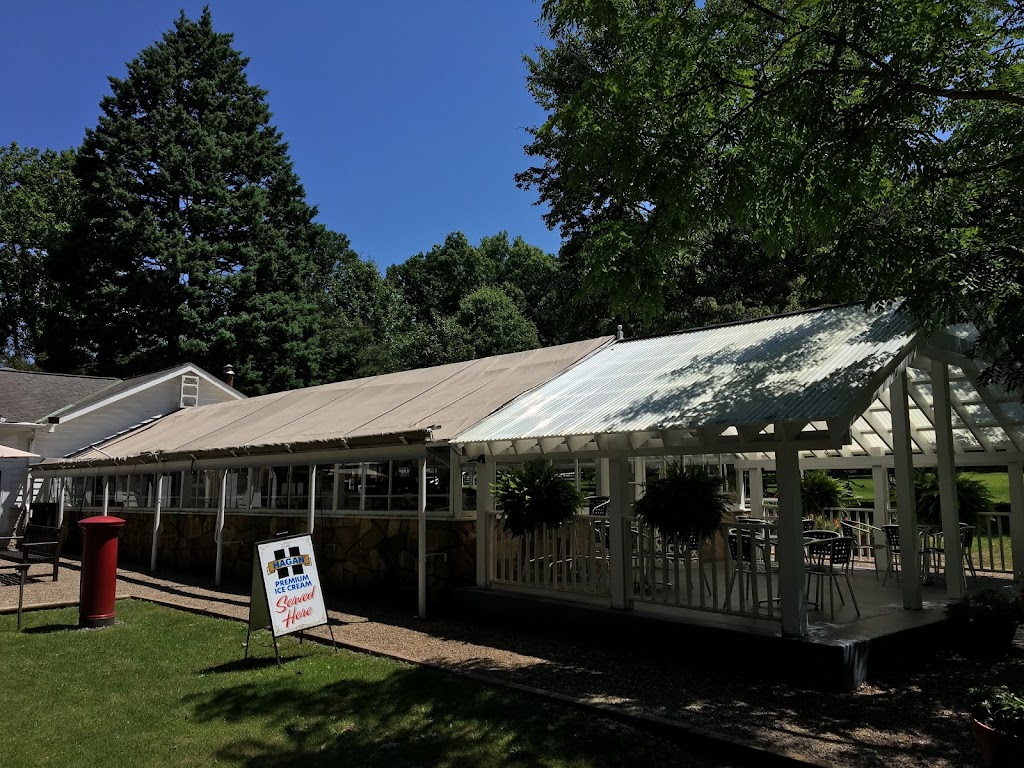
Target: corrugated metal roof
[(808, 366), (380, 410)]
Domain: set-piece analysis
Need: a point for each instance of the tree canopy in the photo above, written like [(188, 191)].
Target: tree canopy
[(195, 240), (38, 200), (879, 145)]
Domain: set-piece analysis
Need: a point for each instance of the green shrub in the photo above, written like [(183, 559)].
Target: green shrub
[(973, 497), (534, 496)]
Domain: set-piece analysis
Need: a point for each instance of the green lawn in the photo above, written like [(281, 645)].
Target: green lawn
[(998, 485), (170, 688)]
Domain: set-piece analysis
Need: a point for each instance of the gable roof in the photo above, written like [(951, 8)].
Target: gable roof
[(722, 384), (417, 406), (38, 397), (31, 396)]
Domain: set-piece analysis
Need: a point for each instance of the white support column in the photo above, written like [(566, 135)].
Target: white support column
[(946, 471), (218, 531), (906, 504), (311, 517), (639, 476), (756, 492), (106, 495), (741, 489), (28, 495), (156, 520), (485, 477), (421, 540), (880, 513), (620, 535), (336, 489), (1016, 473), (792, 589), (61, 484), (601, 469)]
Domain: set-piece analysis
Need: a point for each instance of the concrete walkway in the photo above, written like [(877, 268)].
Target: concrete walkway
[(703, 699)]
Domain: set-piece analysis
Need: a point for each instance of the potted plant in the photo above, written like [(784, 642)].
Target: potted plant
[(534, 496), (998, 716), (985, 624), (820, 493), (686, 503)]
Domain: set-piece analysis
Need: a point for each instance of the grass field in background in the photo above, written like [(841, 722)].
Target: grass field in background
[(998, 485), (166, 687)]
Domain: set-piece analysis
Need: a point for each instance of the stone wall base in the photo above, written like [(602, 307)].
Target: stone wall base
[(357, 557)]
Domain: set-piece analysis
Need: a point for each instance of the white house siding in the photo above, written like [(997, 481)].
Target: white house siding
[(77, 432)]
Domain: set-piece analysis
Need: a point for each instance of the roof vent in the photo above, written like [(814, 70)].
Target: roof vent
[(229, 375), (189, 392)]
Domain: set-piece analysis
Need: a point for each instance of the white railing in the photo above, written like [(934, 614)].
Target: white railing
[(572, 557), (733, 572), (738, 577), (990, 550)]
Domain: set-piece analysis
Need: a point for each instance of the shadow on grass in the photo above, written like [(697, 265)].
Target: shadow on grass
[(244, 665), (47, 629), (415, 717)]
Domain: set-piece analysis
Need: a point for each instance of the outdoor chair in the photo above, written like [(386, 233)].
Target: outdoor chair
[(831, 557), (690, 553), (967, 533), (747, 557), (859, 532), (892, 540)]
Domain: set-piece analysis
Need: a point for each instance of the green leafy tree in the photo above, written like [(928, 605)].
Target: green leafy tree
[(38, 201), (494, 325), (196, 241), (882, 141)]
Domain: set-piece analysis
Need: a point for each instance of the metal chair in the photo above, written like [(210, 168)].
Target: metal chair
[(892, 542), (967, 534), (745, 559), (833, 557), (857, 531)]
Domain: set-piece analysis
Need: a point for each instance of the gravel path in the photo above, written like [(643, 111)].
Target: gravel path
[(916, 719)]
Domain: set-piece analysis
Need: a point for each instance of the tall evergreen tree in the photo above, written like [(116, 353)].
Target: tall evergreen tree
[(196, 241), (38, 201)]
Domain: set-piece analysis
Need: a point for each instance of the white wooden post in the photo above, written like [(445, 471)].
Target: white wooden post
[(946, 471), (1016, 474), (28, 495), (880, 513), (337, 489), (60, 501), (620, 542), (741, 489), (791, 542), (106, 495), (601, 469), (421, 543), (218, 531), (756, 492), (156, 520), (906, 504), (485, 478), (639, 476), (311, 517)]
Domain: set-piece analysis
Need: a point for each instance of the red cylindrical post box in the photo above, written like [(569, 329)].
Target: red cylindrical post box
[(99, 570)]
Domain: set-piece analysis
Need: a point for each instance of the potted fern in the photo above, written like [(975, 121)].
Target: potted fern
[(686, 503), (534, 496)]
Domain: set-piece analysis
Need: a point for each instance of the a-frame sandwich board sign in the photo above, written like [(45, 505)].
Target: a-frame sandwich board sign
[(286, 595)]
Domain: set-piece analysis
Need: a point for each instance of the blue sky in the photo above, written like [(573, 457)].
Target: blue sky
[(405, 119)]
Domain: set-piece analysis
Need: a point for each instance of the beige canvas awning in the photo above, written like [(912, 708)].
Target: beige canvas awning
[(423, 406)]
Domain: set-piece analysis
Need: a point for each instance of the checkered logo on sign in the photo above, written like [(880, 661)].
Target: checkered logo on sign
[(290, 563)]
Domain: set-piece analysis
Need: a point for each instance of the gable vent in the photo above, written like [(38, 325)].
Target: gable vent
[(189, 391)]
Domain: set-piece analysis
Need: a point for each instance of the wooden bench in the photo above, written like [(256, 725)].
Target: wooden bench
[(38, 544)]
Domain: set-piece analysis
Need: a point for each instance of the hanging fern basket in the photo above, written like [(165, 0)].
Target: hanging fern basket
[(535, 496)]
